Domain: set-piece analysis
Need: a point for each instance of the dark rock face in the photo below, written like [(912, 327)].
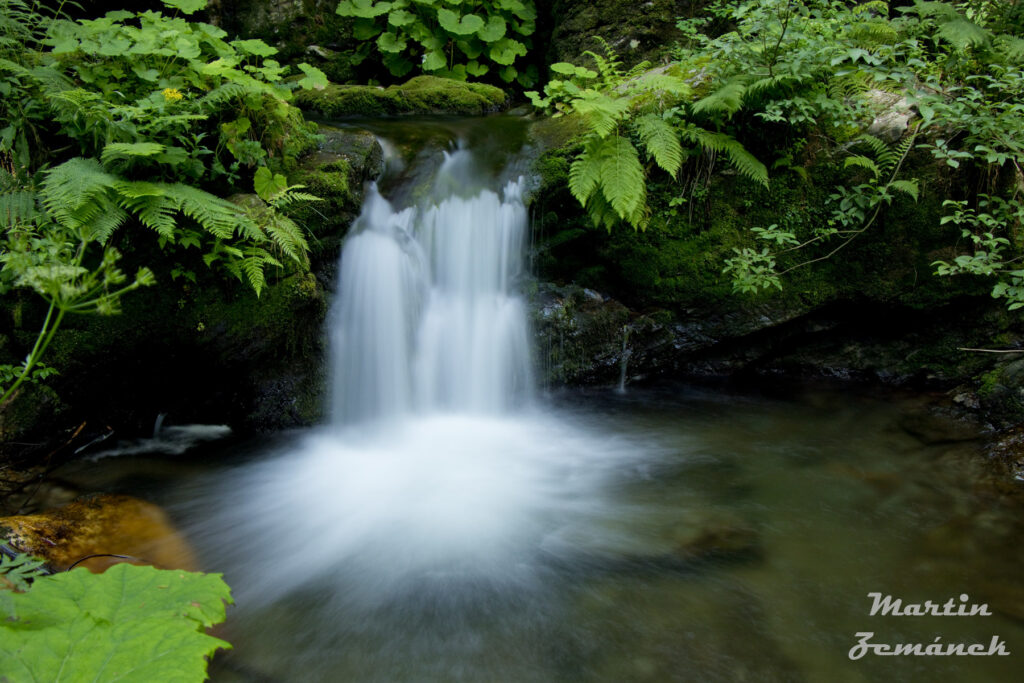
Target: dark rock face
[(636, 31)]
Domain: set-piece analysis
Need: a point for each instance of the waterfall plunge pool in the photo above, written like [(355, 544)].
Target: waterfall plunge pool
[(576, 542), (449, 525)]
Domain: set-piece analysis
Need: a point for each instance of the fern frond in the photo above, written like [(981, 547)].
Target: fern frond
[(17, 208), (906, 186), (150, 204), (863, 162), (74, 193), (115, 151), (1011, 47), (218, 216), (742, 160), (726, 100), (585, 171), (601, 112), (287, 235), (622, 176), (222, 94), (661, 141), (963, 33)]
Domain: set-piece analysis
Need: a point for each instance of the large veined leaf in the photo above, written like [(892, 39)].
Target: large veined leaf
[(364, 9), (464, 26), (314, 78), (506, 50), (432, 61), (390, 42), (268, 184), (130, 623), (186, 6), (492, 31), (401, 17), (254, 46)]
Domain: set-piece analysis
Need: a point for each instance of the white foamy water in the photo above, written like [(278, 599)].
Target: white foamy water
[(437, 467)]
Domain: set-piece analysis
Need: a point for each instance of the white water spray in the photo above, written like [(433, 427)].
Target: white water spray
[(436, 465)]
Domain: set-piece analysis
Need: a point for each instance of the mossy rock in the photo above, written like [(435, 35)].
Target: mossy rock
[(422, 95)]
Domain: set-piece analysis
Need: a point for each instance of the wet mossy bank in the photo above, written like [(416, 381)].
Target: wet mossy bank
[(655, 304)]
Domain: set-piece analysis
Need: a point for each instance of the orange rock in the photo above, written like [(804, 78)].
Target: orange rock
[(100, 524)]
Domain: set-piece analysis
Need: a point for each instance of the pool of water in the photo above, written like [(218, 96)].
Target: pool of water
[(672, 534)]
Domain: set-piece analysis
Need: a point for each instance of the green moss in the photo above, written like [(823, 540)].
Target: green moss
[(419, 95)]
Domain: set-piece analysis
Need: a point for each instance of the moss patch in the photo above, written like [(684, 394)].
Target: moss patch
[(420, 95)]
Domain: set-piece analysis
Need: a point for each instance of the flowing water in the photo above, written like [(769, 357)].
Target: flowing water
[(450, 524)]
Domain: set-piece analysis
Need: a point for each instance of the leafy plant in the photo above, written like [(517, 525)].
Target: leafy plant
[(453, 38), (622, 107), (128, 623), (167, 117)]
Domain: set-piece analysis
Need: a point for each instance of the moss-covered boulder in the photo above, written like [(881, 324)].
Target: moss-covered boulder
[(422, 95), (336, 173)]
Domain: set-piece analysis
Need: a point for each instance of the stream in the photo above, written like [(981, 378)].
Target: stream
[(452, 521)]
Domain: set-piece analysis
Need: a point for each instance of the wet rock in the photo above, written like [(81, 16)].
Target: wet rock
[(97, 525), (935, 425), (636, 31), (422, 95), (893, 114)]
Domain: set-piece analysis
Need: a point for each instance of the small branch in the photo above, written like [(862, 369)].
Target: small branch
[(962, 348)]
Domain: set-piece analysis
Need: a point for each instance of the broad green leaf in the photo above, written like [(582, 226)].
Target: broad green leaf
[(365, 9), (508, 73), (493, 30), (506, 50), (401, 18), (471, 48), (475, 68), (432, 61), (463, 26), (114, 47), (186, 6), (364, 29), (314, 79), (129, 623), (389, 42), (254, 46), (267, 184)]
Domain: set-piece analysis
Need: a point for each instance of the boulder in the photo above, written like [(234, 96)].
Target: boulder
[(100, 525)]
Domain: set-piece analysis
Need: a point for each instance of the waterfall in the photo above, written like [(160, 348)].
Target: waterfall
[(439, 470), (427, 317)]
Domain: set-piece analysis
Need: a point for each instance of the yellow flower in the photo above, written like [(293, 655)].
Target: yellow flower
[(172, 94)]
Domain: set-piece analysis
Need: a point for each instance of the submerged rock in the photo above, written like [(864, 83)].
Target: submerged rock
[(100, 525)]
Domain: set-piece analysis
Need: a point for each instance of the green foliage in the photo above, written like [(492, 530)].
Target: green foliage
[(451, 38), (129, 623), (18, 570), (621, 110), (136, 120)]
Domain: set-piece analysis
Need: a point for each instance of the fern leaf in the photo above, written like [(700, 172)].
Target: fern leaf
[(622, 176), (585, 172), (17, 208), (963, 33), (906, 186), (726, 100), (662, 141), (863, 162), (601, 112), (127, 150), (742, 160), (218, 216)]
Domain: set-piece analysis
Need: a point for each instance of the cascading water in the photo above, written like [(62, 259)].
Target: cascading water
[(437, 464), (428, 318)]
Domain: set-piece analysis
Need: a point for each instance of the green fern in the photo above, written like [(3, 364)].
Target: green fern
[(727, 100), (721, 143), (661, 141), (19, 569)]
